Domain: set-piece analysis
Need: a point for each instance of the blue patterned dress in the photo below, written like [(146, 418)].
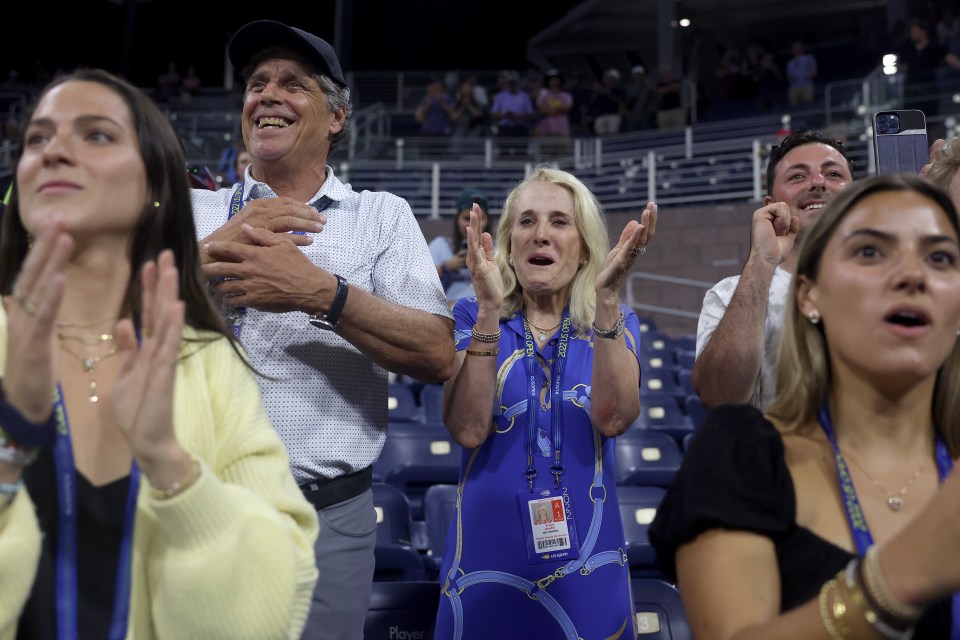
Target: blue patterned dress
[(489, 588)]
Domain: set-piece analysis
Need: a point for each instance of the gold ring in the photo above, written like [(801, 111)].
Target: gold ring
[(28, 307)]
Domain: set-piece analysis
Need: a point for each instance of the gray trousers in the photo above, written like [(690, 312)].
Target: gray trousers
[(344, 549)]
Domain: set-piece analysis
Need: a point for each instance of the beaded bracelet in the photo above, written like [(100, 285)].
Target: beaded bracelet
[(851, 577), (485, 337), (875, 587)]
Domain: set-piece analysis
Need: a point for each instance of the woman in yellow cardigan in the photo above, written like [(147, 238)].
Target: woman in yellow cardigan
[(152, 498)]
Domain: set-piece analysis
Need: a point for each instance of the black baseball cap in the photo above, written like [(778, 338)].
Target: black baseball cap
[(254, 37)]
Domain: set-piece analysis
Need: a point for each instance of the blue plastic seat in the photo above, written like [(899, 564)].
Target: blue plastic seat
[(394, 556), (439, 510), (646, 458), (401, 403), (694, 409), (659, 610), (661, 412), (415, 456), (659, 382), (431, 402), (638, 507)]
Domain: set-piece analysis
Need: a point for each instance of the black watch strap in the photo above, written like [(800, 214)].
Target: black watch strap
[(330, 319)]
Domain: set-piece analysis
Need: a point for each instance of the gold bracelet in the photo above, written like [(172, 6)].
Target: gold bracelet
[(471, 352), (826, 615), (878, 591), (179, 486), (485, 337)]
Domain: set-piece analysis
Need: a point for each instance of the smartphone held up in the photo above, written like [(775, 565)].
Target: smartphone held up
[(900, 142)]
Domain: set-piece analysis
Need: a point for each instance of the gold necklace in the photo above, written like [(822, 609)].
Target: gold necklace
[(543, 332), (894, 500), (89, 363)]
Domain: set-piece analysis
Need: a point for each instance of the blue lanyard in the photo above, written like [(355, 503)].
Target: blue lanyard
[(556, 399), (858, 523), (66, 567), (234, 316)]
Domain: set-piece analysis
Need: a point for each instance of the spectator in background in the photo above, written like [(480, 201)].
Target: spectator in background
[(641, 109), (944, 168), (168, 83), (469, 116), (918, 58), (449, 253), (608, 104), (769, 82), (435, 114), (512, 112), (670, 113), (742, 316), (581, 91), (554, 104), (436, 110), (801, 71), (241, 162), (190, 84)]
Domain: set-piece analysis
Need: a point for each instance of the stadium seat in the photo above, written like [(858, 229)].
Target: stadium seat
[(401, 403), (638, 506), (431, 402), (686, 342), (647, 325), (402, 610), (659, 381), (685, 380), (662, 412), (645, 458), (395, 557), (685, 359), (439, 510), (393, 515), (659, 610), (415, 456), (656, 342), (695, 409)]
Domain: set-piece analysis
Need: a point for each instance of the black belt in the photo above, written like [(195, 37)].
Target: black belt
[(323, 492)]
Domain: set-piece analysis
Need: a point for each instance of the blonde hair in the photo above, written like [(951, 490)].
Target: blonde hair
[(589, 219), (945, 165), (803, 365)]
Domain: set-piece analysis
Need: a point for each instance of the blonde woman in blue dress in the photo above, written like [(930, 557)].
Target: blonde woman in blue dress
[(547, 376)]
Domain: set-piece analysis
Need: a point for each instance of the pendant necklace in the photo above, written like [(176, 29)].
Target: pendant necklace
[(894, 500), (542, 333), (89, 363)]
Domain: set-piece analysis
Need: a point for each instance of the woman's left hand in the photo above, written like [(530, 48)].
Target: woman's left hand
[(143, 392), (633, 243)]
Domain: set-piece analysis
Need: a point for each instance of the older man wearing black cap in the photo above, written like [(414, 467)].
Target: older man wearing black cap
[(328, 289)]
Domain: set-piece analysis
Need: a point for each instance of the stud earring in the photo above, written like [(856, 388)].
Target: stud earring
[(156, 204), (814, 317)]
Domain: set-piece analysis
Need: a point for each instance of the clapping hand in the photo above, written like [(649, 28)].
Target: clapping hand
[(484, 272), (144, 389), (633, 242)]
